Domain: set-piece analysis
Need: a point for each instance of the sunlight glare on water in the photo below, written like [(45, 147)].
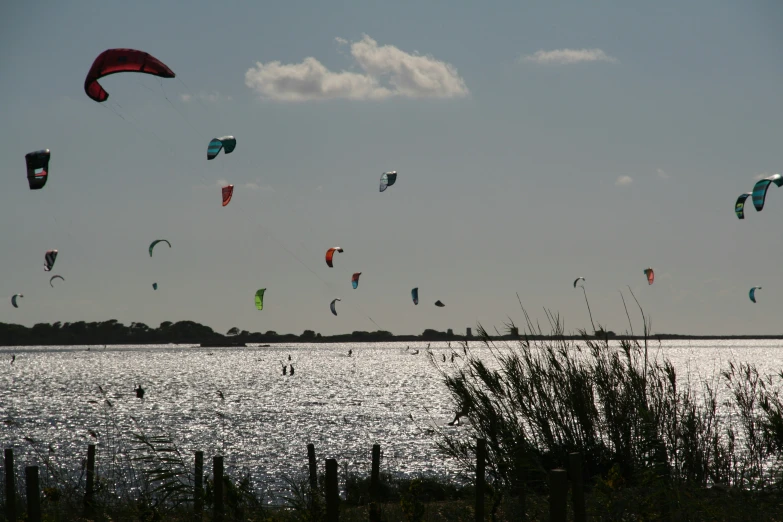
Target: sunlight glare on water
[(264, 419)]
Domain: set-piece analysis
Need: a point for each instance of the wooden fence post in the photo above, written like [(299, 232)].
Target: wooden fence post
[(217, 473), (375, 479), (577, 486), (10, 486), (33, 494), (481, 457), (558, 495), (313, 467), (90, 487), (332, 492), (198, 488)]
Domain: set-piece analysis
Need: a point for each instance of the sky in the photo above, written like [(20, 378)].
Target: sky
[(535, 142)]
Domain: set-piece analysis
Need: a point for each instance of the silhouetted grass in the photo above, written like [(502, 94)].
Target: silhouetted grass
[(653, 444)]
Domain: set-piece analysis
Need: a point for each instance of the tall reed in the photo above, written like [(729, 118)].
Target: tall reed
[(634, 420)]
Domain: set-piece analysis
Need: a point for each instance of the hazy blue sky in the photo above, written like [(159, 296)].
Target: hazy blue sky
[(535, 142)]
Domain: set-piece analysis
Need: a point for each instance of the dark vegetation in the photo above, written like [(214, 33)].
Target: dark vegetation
[(186, 332), (656, 445), (189, 332)]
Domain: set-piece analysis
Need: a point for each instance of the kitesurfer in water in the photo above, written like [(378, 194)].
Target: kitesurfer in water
[(284, 369), (350, 352), (13, 358), (289, 356), (292, 369), (464, 409), (139, 392), (463, 412)]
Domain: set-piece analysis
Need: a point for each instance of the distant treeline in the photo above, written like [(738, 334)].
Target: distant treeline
[(182, 332), (187, 332)]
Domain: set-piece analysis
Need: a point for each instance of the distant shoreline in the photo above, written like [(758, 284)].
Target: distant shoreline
[(188, 332)]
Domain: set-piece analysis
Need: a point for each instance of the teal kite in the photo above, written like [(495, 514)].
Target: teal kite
[(752, 293), (388, 179), (13, 300), (739, 206), (415, 295), (760, 190), (227, 143)]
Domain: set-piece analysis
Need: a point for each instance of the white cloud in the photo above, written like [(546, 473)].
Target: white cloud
[(623, 180), (257, 186), (386, 72), (218, 183), (662, 174), (568, 56), (213, 97), (341, 41)]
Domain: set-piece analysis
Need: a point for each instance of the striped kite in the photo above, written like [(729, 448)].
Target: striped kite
[(739, 206), (114, 61), (226, 143), (650, 275), (355, 280), (49, 258), (760, 190)]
